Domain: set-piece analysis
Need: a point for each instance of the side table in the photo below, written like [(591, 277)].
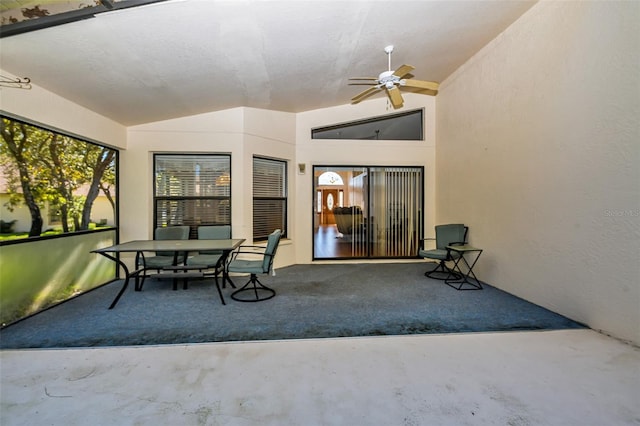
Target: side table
[(460, 282)]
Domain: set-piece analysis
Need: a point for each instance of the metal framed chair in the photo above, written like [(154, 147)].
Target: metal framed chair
[(446, 235), (211, 258), (259, 262), (162, 259)]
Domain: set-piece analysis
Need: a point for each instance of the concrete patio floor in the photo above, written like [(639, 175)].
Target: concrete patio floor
[(565, 377)]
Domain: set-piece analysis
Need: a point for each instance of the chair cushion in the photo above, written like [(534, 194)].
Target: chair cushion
[(246, 266), (209, 260), (448, 234), (214, 232), (438, 254), (160, 261), (270, 250), (172, 233)]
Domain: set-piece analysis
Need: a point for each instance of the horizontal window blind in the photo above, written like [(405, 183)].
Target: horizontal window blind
[(192, 212), (192, 190), (269, 197), (193, 175)]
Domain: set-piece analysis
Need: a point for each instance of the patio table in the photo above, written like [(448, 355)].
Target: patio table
[(459, 283), (186, 246)]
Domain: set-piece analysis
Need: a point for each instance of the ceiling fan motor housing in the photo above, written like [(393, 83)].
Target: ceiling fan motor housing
[(388, 79)]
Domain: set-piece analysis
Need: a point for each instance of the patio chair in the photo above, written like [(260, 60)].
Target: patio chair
[(446, 235), (260, 261), (162, 259), (211, 259)]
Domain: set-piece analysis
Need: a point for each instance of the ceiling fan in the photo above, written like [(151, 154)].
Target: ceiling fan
[(391, 81)]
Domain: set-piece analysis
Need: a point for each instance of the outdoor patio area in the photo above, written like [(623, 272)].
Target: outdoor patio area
[(349, 344), (562, 377), (312, 301)]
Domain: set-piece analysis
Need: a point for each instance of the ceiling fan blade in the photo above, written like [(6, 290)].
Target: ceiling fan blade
[(360, 96), (395, 97), (364, 78), (403, 70), (420, 84)]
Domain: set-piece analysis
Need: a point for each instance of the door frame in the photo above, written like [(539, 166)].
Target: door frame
[(367, 208)]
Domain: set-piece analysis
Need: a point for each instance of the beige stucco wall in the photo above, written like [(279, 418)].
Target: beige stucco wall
[(241, 132), (359, 153), (539, 153), (43, 107), (245, 132)]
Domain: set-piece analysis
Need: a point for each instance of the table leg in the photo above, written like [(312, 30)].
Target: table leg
[(464, 277), (222, 262), (126, 278), (215, 277), (139, 280)]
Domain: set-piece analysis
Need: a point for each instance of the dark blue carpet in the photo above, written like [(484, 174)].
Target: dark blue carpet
[(312, 301)]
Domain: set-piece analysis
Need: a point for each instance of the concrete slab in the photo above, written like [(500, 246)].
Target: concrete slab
[(566, 377)]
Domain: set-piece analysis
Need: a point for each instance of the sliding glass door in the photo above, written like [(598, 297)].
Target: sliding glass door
[(367, 212)]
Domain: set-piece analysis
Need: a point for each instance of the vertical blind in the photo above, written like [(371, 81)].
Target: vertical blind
[(269, 197), (192, 190), (396, 202)]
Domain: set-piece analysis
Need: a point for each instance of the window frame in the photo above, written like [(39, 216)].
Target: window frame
[(162, 198), (45, 208)]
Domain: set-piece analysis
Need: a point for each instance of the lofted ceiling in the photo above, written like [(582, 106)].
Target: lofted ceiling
[(184, 57)]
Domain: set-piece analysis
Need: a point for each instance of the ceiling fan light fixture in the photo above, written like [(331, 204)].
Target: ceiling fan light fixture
[(391, 81)]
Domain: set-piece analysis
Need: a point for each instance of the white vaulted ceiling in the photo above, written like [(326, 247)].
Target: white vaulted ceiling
[(180, 58)]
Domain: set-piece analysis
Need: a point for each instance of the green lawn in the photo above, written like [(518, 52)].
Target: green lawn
[(21, 235), (48, 233)]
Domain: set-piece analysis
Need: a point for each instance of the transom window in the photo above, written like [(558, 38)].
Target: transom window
[(399, 126)]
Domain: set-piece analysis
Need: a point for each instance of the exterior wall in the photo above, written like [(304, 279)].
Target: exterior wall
[(101, 210), (20, 214), (270, 134), (538, 153), (241, 132), (245, 132), (365, 152)]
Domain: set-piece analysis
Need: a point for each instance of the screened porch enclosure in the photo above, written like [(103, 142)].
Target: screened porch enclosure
[(367, 212)]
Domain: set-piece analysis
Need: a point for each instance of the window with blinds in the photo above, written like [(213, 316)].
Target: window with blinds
[(269, 197), (192, 190)]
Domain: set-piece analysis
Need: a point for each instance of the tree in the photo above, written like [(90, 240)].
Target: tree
[(50, 167), (18, 145), (98, 161), (62, 177)]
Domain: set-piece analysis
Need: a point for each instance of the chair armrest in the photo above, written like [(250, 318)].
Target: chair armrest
[(243, 250), (244, 247)]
